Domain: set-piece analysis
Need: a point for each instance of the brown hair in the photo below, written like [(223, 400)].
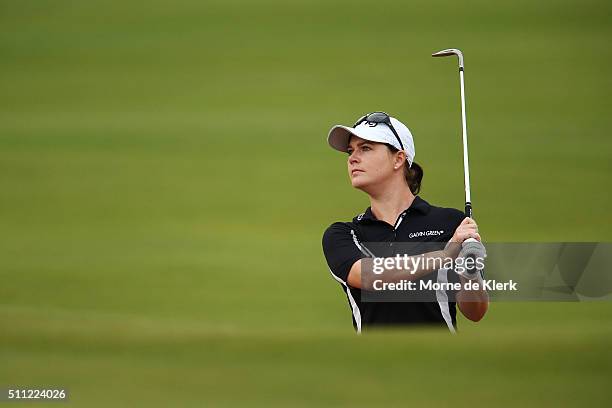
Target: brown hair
[(412, 174)]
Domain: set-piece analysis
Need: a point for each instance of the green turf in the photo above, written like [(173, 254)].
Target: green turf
[(165, 182)]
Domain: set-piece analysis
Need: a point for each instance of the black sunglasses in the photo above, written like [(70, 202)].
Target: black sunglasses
[(379, 117)]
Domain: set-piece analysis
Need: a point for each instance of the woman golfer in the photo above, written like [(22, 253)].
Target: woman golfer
[(381, 163)]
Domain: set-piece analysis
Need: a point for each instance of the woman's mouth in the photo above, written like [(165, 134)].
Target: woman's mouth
[(356, 171)]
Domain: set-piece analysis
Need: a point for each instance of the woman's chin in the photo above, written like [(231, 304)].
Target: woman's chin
[(358, 182)]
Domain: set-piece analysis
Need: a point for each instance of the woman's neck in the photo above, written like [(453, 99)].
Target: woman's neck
[(390, 203)]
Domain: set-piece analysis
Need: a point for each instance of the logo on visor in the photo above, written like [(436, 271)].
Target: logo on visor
[(372, 124)]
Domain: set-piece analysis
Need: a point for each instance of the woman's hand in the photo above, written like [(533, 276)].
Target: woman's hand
[(467, 229)]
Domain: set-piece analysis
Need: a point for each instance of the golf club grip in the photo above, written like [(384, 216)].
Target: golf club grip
[(468, 209)]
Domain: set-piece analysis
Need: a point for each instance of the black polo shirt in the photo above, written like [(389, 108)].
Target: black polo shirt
[(343, 245)]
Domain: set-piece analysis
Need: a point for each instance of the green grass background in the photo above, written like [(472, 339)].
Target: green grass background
[(165, 183)]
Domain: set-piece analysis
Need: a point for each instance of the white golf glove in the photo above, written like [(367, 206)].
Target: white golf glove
[(471, 248)]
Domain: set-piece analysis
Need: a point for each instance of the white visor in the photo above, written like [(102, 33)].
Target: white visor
[(339, 136)]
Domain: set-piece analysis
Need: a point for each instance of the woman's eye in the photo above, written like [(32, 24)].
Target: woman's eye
[(366, 147)]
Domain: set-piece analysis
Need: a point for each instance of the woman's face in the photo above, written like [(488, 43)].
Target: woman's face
[(369, 163)]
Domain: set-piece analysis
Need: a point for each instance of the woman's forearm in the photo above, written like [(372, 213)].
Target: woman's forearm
[(472, 303), (405, 268)]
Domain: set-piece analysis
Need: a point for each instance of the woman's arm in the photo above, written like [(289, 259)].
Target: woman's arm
[(428, 263), (472, 303)]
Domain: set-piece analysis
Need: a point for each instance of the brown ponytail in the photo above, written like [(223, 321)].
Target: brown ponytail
[(414, 176)]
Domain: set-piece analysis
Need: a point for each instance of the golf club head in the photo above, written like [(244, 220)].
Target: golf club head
[(449, 52)]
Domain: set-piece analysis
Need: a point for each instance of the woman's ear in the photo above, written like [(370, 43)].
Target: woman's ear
[(400, 158)]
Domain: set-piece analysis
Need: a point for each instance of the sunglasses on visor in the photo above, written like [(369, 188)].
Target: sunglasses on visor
[(379, 117)]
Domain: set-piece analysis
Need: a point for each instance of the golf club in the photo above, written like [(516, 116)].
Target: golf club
[(466, 166)]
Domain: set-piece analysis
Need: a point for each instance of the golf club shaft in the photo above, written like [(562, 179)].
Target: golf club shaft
[(466, 164)]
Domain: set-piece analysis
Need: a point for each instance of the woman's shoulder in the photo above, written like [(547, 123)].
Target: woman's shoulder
[(341, 230), (348, 226), (339, 227)]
